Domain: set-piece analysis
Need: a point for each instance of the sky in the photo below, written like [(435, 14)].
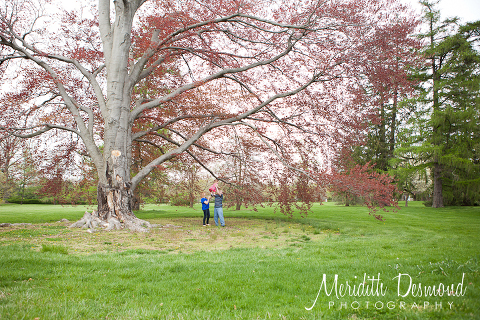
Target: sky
[(466, 10)]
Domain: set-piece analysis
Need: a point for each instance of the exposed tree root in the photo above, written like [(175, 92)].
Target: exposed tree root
[(93, 221)]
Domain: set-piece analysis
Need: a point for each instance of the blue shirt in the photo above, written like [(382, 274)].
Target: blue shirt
[(205, 206)]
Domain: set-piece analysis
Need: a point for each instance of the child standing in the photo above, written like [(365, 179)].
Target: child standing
[(206, 209)]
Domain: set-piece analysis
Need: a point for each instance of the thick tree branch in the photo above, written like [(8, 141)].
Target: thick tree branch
[(152, 104), (91, 80), (167, 156), (188, 152), (105, 27), (83, 131)]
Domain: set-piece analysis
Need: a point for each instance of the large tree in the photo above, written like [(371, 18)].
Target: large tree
[(456, 120), (10, 147), (450, 95), (460, 118), (437, 29), (152, 72), (393, 55)]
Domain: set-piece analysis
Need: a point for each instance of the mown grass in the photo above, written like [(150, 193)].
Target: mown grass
[(270, 266), (40, 213)]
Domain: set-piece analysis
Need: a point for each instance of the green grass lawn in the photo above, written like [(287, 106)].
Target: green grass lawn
[(261, 266)]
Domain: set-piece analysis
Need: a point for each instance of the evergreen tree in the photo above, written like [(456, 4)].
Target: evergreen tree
[(456, 120), (443, 137)]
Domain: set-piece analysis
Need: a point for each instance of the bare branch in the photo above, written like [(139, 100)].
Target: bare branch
[(275, 152), (169, 122), (44, 128)]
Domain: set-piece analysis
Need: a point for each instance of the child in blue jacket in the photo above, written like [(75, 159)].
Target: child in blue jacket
[(206, 209)]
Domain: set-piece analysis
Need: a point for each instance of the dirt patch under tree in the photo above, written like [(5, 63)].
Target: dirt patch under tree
[(168, 235)]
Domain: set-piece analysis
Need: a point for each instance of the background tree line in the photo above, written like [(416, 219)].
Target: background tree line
[(426, 134)]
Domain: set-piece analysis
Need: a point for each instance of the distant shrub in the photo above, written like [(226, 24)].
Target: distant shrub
[(24, 201), (69, 201)]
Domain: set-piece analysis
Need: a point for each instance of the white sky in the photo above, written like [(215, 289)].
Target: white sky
[(466, 10)]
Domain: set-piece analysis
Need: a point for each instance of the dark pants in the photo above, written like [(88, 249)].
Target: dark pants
[(206, 215)]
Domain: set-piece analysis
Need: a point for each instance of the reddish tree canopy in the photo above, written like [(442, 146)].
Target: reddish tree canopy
[(157, 73)]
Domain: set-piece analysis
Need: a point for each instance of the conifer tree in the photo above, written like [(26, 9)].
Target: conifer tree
[(455, 122), (441, 139)]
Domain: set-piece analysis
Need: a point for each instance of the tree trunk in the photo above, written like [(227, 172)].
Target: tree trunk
[(238, 205), (114, 211), (191, 197), (437, 186), (437, 169), (393, 124), (115, 203), (135, 202), (382, 147)]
